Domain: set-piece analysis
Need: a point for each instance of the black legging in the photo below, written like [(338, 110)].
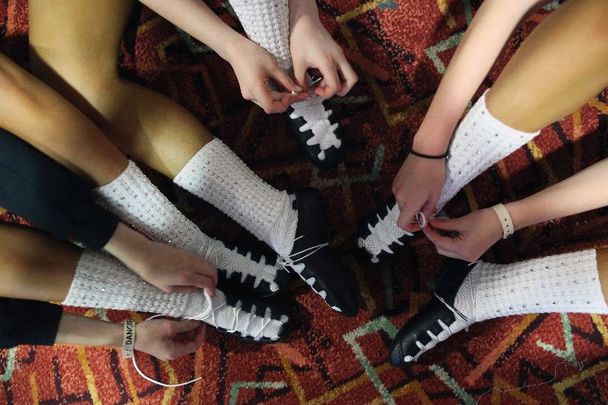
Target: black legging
[(54, 199)]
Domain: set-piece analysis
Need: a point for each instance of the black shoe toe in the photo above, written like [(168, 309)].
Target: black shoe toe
[(321, 270)]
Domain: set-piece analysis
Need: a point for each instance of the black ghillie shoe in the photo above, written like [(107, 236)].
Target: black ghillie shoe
[(249, 318), (313, 260), (319, 137), (245, 270), (436, 322), (380, 237)]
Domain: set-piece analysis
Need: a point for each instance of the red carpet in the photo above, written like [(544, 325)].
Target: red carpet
[(399, 48)]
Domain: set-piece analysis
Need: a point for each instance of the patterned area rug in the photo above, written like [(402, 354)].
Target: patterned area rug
[(400, 49)]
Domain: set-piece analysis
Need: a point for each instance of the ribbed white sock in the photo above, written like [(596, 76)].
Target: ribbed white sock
[(218, 176), (480, 141), (100, 281), (560, 283), (134, 198), (266, 23)]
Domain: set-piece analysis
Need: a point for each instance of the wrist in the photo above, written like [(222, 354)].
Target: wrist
[(232, 51), (130, 247), (303, 12)]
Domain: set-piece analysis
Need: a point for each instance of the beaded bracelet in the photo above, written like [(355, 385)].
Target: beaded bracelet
[(505, 220)]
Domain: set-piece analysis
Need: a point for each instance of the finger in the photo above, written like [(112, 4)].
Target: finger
[(443, 242), (445, 224), (184, 326), (200, 335), (262, 96), (349, 76), (181, 349), (299, 73), (407, 217), (331, 79), (429, 208), (179, 289), (285, 81), (448, 253), (201, 281)]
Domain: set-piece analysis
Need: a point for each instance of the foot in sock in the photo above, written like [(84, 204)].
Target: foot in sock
[(479, 142), (294, 226), (317, 131), (469, 293), (101, 281), (313, 260), (134, 198)]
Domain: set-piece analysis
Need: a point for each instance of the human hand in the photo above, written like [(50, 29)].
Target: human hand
[(255, 68), (312, 47), (417, 187), (168, 339), (473, 234), (175, 270)]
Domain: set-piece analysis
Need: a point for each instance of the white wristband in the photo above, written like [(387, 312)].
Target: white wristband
[(128, 339), (505, 220)]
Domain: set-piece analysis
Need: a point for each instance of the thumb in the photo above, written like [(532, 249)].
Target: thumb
[(445, 224), (299, 72), (285, 81)]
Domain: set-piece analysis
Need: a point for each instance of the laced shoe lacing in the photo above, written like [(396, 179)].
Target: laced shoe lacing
[(383, 234), (460, 322), (292, 262), (242, 264), (317, 120)]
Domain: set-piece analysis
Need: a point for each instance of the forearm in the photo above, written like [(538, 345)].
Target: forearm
[(303, 11), (480, 46), (194, 17), (41, 117), (586, 190), (80, 330)]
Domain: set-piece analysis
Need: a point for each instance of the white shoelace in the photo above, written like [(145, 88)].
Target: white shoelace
[(233, 261), (293, 259), (203, 316), (460, 322), (384, 233), (317, 121)]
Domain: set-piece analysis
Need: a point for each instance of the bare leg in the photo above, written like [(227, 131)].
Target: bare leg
[(78, 56), (602, 269), (38, 115), (34, 265), (558, 68)]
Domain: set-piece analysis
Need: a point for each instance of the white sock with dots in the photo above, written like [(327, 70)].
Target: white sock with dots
[(219, 177), (266, 23), (560, 283), (480, 141), (134, 198)]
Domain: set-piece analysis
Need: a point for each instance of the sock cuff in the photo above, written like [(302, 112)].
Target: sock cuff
[(134, 198), (480, 108)]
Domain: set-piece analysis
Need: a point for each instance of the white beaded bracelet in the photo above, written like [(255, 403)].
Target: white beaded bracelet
[(505, 220)]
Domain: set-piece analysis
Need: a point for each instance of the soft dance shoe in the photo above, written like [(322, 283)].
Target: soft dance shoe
[(314, 261), (436, 322), (246, 317), (380, 237), (320, 138), (245, 270)]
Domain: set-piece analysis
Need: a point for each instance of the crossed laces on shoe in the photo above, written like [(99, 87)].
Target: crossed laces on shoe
[(293, 259), (443, 335), (201, 317), (385, 233), (317, 120)]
